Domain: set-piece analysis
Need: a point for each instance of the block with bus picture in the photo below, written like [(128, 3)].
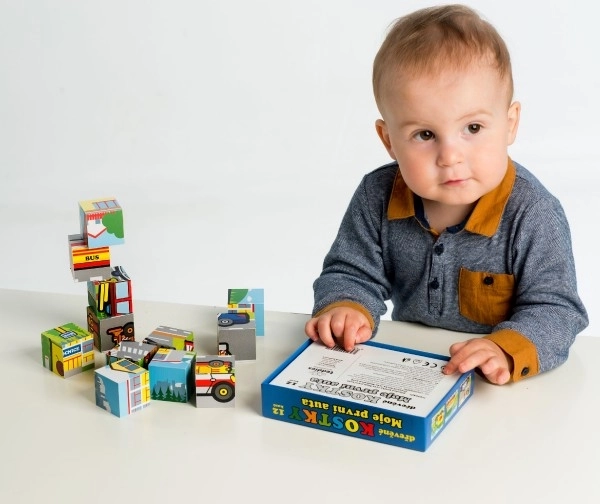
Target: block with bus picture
[(88, 263), (135, 351)]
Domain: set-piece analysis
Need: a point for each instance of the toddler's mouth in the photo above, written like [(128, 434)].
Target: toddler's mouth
[(454, 182)]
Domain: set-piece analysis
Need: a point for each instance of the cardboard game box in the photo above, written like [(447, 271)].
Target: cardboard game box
[(378, 392)]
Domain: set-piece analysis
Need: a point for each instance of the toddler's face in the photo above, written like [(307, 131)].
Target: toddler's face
[(450, 133)]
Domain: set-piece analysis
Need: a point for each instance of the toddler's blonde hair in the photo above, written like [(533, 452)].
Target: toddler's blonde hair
[(433, 39)]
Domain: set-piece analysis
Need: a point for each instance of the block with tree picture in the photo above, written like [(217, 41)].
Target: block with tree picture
[(172, 375)]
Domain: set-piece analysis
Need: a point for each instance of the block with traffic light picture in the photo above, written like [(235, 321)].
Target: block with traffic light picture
[(112, 296)]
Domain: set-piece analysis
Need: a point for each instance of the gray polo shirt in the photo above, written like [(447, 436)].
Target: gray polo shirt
[(507, 272)]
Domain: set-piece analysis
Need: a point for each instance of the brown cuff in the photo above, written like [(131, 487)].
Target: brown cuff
[(348, 304), (520, 350)]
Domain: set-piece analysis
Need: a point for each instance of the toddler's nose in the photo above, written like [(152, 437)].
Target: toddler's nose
[(449, 154)]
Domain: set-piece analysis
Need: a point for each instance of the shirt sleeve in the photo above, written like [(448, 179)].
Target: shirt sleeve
[(353, 270), (547, 309)]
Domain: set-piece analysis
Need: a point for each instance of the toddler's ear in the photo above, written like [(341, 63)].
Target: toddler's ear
[(514, 114), (382, 131)]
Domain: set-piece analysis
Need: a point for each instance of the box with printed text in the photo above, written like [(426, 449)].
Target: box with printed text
[(378, 392)]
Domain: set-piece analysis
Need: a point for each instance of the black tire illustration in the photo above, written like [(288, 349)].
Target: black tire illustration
[(223, 392)]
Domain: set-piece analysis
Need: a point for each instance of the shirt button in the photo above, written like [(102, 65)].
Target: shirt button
[(488, 280), (439, 249), (525, 371), (434, 284)]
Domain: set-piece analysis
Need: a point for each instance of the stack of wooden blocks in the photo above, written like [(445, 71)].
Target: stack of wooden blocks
[(163, 366)]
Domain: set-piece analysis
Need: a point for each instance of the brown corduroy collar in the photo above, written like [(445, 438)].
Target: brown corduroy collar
[(485, 217)]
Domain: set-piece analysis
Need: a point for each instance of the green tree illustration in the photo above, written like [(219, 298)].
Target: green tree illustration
[(236, 295), (113, 221)]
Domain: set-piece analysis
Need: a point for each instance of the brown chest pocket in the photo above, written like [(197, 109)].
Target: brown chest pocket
[(485, 298)]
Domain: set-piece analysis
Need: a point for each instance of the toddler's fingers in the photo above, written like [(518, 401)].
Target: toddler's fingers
[(499, 376), (310, 328), (363, 334), (456, 347), (450, 368), (353, 337), (349, 341), (503, 377), (324, 331)]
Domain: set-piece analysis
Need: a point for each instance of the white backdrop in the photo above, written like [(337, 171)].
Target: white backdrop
[(234, 133)]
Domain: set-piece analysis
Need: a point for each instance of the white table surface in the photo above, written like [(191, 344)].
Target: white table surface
[(535, 441)]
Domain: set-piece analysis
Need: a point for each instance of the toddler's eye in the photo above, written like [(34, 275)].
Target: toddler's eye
[(425, 135), (474, 128)]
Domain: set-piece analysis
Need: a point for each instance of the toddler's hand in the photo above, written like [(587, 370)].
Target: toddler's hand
[(481, 353), (346, 325)]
